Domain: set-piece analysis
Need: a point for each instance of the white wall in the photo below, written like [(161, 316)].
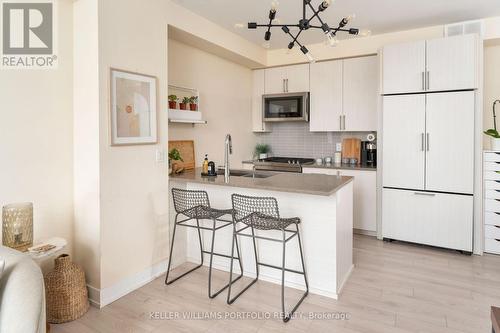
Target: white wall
[(491, 88), (86, 141), (36, 137), (225, 97), (129, 175)]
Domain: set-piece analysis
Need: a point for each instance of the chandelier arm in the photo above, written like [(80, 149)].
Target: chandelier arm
[(276, 25), (294, 39), (316, 14)]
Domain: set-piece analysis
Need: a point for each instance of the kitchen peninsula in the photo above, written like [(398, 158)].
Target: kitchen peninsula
[(323, 203)]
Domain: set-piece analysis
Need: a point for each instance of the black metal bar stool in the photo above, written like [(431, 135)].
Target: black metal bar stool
[(262, 213), (195, 205)]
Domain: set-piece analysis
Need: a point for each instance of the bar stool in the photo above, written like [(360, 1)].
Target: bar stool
[(195, 205), (262, 213)]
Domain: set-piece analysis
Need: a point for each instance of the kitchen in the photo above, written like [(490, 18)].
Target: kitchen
[(324, 118), (251, 166)]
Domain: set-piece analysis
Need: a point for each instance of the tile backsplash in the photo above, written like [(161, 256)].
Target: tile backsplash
[(294, 139)]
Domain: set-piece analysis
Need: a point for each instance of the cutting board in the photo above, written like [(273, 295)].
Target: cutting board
[(351, 148), (186, 148)]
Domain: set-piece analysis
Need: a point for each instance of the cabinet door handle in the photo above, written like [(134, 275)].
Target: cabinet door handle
[(497, 226), (423, 80), (425, 194), (422, 139), (427, 83), (427, 141), (343, 122), (284, 85), (340, 122)]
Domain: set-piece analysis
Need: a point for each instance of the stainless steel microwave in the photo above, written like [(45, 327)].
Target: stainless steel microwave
[(286, 107)]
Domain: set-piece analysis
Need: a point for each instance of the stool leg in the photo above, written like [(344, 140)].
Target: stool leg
[(172, 250), (229, 299), (283, 313), (210, 295), (287, 317)]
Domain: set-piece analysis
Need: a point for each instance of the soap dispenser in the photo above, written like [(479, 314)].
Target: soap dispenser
[(204, 168)]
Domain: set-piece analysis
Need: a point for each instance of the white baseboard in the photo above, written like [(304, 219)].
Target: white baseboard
[(364, 232), (129, 284), (345, 280), (94, 296)]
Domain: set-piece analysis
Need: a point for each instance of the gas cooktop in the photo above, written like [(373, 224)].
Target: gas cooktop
[(285, 164)]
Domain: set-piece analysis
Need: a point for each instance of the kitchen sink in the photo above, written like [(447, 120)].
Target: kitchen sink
[(243, 173)]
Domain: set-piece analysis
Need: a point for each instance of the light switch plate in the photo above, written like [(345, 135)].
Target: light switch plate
[(160, 156)]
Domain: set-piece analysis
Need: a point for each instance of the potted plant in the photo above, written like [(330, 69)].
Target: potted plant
[(261, 150), (173, 155), (495, 138), (184, 103), (193, 103), (172, 101)]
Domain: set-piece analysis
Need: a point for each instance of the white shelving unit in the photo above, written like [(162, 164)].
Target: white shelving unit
[(185, 116)]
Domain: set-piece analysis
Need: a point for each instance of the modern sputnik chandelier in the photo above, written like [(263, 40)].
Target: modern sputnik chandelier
[(306, 23)]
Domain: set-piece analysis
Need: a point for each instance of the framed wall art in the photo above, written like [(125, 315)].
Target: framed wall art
[(133, 108)]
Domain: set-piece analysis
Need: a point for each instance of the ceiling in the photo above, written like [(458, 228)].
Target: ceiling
[(379, 16)]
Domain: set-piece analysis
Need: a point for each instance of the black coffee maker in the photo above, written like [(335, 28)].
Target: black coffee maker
[(369, 153)]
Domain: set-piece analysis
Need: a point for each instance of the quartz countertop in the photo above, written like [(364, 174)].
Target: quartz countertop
[(315, 184)]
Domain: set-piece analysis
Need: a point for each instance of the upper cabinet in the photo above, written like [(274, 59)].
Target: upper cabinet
[(443, 64), (288, 79), (360, 94), (404, 68), (452, 63), (326, 96), (344, 95), (258, 125)]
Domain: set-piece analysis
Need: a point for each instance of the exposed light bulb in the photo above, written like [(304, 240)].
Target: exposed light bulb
[(274, 5), (327, 3), (266, 44), (310, 58), (307, 54), (239, 25), (365, 33), (332, 39), (350, 17)]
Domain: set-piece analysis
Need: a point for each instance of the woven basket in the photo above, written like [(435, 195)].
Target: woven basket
[(66, 291)]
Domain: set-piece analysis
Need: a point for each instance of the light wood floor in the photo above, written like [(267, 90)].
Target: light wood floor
[(394, 287)]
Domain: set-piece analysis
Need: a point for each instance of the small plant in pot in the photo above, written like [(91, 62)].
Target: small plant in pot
[(193, 103), (495, 138), (172, 101), (261, 150), (173, 155), (184, 103)]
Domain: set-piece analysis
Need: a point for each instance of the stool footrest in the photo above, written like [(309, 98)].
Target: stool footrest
[(280, 268)]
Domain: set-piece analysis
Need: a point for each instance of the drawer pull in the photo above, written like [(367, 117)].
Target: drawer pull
[(498, 240), (497, 226), (432, 195), (497, 213)]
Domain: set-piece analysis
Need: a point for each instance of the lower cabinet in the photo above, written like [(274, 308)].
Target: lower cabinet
[(365, 195), (436, 219)]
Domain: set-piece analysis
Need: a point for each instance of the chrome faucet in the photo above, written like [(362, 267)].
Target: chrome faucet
[(228, 150)]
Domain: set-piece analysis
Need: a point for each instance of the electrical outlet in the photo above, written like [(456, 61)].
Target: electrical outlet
[(338, 146)]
